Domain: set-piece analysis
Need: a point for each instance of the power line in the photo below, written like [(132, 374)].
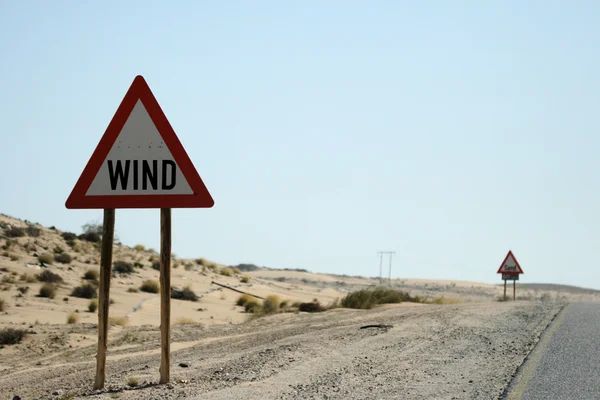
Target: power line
[(381, 253)]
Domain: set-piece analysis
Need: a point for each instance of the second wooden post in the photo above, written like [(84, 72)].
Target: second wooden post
[(165, 294)]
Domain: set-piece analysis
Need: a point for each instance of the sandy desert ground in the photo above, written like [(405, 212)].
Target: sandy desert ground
[(466, 347)]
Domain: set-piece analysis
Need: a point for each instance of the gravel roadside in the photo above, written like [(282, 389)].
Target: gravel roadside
[(462, 351)]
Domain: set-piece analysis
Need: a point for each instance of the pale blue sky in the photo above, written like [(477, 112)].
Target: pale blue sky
[(449, 132)]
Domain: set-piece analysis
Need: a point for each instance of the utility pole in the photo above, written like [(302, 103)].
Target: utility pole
[(381, 253), (390, 273), (380, 265)]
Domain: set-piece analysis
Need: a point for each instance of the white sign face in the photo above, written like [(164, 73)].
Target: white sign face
[(510, 265), (139, 162)]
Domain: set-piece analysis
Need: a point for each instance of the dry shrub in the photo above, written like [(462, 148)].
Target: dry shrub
[(133, 381), (132, 290), (284, 304), (202, 261), (2, 305), (93, 306), (185, 321), (73, 318), (123, 267), (63, 258), (48, 276), (245, 279), (48, 290), (9, 279), (243, 299), (313, 306), (68, 236), (120, 321), (445, 300), (252, 306), (46, 258), (33, 231), (226, 272), (368, 298), (150, 286), (186, 294), (85, 291), (91, 275), (140, 247), (188, 266), (11, 336), (14, 257), (25, 277), (213, 267), (15, 231), (236, 271), (156, 265), (271, 304)]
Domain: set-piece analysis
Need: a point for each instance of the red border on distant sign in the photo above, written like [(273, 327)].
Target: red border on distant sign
[(139, 90), (520, 271)]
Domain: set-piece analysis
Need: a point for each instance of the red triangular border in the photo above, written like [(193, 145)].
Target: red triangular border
[(520, 271), (139, 90)]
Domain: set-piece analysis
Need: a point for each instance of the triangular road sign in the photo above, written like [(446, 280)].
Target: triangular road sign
[(139, 162), (510, 265)]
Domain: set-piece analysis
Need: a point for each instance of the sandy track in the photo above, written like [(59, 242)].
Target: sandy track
[(465, 351)]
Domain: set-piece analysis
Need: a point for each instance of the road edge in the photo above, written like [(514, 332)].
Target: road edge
[(523, 373)]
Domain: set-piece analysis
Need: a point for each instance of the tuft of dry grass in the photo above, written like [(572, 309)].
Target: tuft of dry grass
[(25, 277), (46, 258), (140, 247), (445, 300), (150, 286), (252, 306), (245, 279), (271, 304), (73, 318), (185, 321), (132, 290), (14, 257), (48, 290), (91, 275), (243, 299), (93, 306), (120, 321), (202, 261), (236, 271), (226, 272), (133, 381)]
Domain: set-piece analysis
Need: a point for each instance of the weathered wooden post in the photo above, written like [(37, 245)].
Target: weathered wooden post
[(165, 294), (138, 163), (108, 234)]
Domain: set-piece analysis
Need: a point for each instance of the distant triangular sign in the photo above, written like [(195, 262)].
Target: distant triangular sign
[(139, 162), (510, 265)]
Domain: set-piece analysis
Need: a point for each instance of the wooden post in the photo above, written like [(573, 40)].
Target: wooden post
[(505, 290), (108, 234), (165, 294), (514, 290)]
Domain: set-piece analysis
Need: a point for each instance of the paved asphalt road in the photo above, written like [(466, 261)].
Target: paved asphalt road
[(566, 362)]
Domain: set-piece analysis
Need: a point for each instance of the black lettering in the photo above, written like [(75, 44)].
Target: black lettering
[(135, 174), (165, 163), (115, 173), (150, 175)]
